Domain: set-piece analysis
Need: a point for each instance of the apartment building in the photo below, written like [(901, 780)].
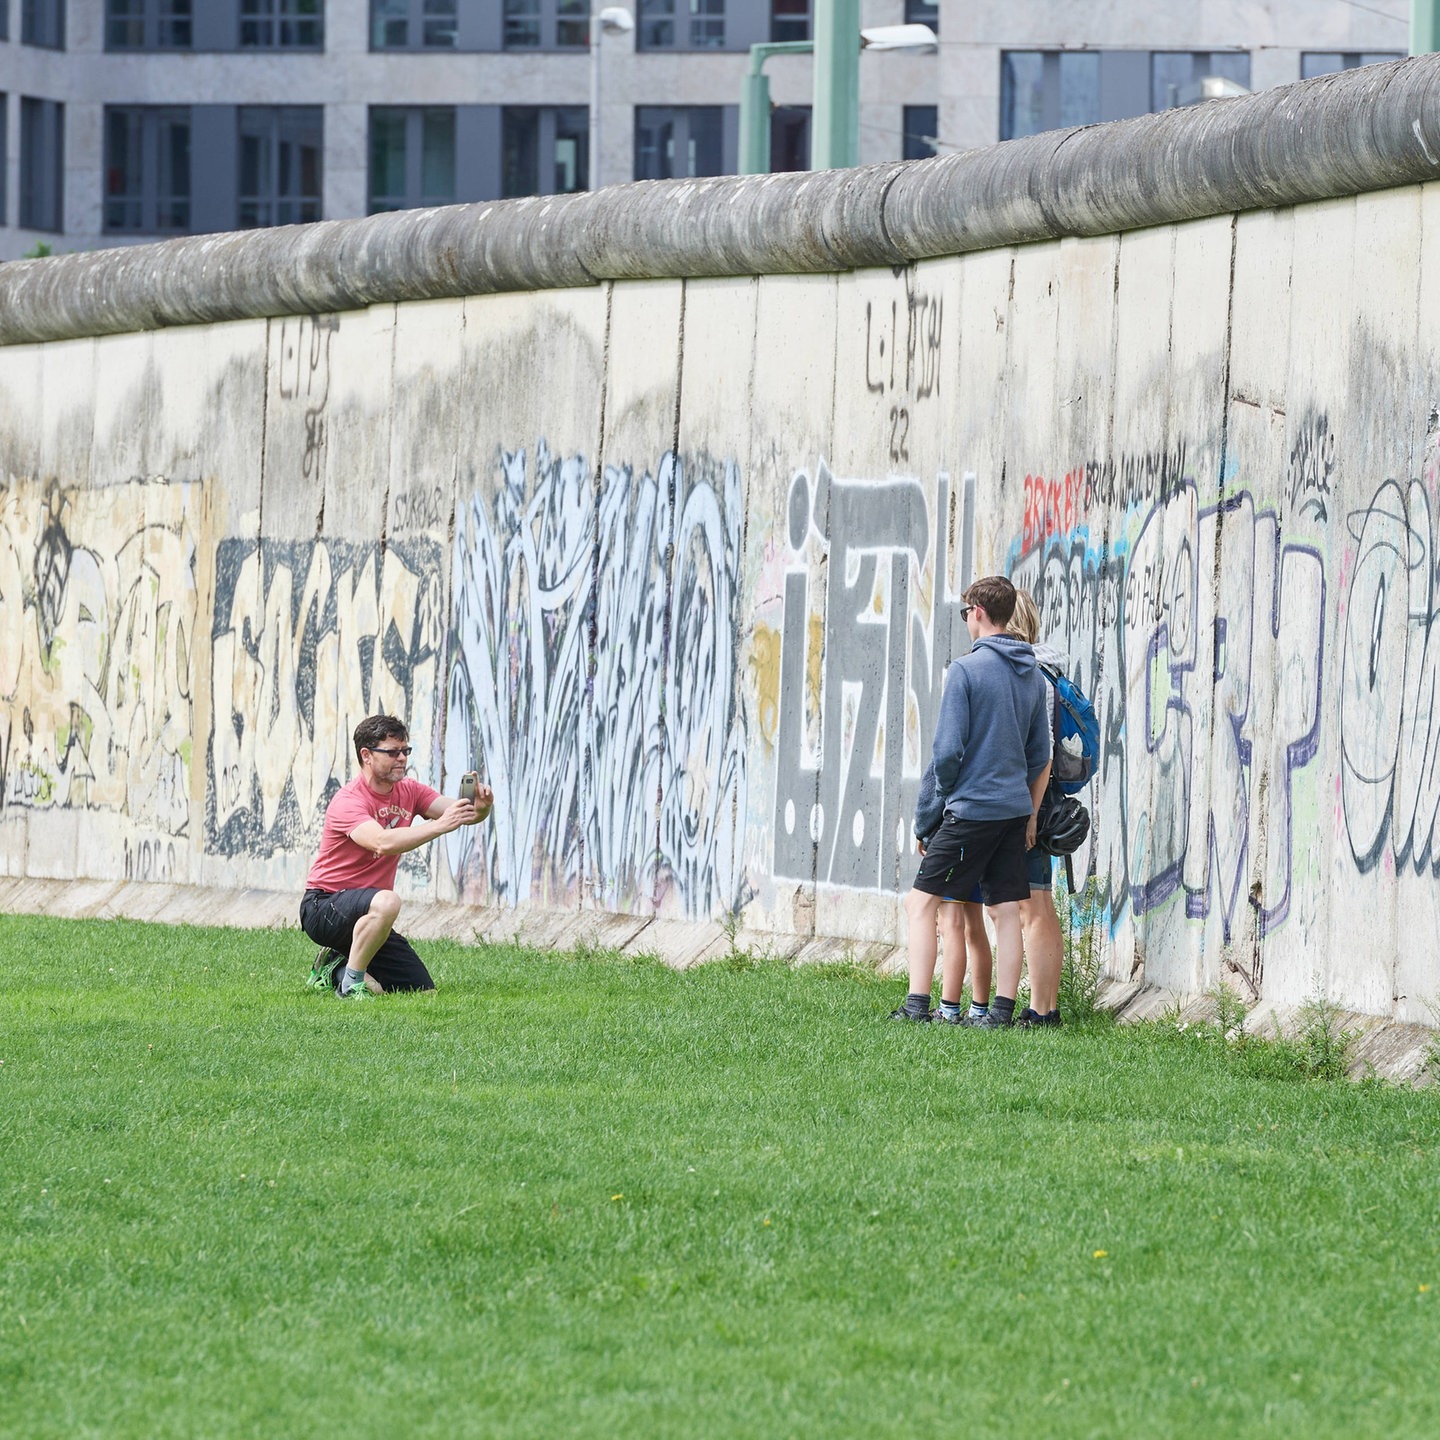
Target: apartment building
[(129, 120)]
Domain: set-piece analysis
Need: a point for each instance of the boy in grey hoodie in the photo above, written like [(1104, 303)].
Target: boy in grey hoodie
[(992, 763)]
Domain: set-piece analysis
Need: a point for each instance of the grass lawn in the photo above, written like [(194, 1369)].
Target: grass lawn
[(595, 1197)]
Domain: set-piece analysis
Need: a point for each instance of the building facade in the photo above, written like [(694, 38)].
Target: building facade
[(128, 120)]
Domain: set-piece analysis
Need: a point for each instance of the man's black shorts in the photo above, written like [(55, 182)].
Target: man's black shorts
[(329, 919), (962, 853)]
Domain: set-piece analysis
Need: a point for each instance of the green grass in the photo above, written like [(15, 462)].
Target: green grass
[(592, 1197)]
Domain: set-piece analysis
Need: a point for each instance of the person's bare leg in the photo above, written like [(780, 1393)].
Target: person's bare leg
[(1044, 950), (952, 952), (977, 947), (920, 911), (371, 931), (1009, 949)]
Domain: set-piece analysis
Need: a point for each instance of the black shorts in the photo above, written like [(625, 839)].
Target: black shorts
[(329, 919), (962, 853)]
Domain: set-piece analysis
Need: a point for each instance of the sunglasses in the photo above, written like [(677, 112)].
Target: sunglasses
[(401, 750), (964, 611)]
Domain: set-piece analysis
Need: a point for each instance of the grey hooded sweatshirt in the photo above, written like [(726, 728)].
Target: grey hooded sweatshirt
[(992, 738)]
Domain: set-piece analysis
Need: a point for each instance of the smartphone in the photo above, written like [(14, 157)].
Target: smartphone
[(468, 781)]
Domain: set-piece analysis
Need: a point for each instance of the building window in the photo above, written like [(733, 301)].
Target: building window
[(414, 24), (42, 164), (789, 138), (1046, 90), (1328, 62), (544, 151), (923, 12), (789, 20), (412, 156), (678, 141), (922, 125), (42, 22), (4, 25), (149, 24), (547, 24), (4, 132), (681, 25), (280, 150), (1175, 74), (1050, 89), (282, 24), (147, 169)]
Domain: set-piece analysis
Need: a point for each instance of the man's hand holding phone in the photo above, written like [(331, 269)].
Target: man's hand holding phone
[(478, 795)]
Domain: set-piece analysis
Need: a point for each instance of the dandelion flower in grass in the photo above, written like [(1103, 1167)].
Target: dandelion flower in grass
[(620, 1196), (1101, 1255)]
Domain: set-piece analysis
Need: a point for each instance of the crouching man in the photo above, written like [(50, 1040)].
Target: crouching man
[(349, 906)]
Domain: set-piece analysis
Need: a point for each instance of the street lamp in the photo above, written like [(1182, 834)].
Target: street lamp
[(835, 129), (604, 20)]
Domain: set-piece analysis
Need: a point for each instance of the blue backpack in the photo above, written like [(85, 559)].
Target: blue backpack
[(1077, 733)]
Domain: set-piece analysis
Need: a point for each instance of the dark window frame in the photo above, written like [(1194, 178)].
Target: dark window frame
[(281, 25), (545, 25), (917, 122), (551, 125), (157, 210), (42, 23), (42, 177), (683, 119), (1349, 60), (670, 25), (413, 196), (795, 23), (923, 12), (262, 206), (164, 25)]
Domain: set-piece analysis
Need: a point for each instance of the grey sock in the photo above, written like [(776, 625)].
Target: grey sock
[(1003, 1007), (350, 979)]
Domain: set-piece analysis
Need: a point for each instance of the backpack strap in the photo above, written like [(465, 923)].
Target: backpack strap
[(1054, 677)]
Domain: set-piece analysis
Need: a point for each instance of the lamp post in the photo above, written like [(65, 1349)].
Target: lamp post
[(1424, 26), (606, 20), (835, 119), (755, 104)]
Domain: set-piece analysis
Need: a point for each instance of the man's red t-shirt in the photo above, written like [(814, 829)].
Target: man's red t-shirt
[(344, 865)]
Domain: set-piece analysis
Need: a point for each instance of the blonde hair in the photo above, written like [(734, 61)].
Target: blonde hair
[(1025, 622)]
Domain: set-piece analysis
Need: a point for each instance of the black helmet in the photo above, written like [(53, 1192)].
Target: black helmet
[(1063, 826)]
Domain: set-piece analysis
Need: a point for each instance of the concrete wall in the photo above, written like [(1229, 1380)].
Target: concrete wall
[(676, 564)]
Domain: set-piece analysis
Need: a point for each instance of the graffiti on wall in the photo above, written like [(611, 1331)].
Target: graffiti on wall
[(593, 683), (1390, 675), (97, 628), (1198, 632), (308, 638), (870, 671)]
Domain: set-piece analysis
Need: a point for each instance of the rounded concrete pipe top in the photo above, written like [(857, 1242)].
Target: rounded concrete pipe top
[(1368, 129)]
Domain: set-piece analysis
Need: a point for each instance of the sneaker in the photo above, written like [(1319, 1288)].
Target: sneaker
[(358, 992), (1033, 1020), (918, 1017), (955, 1017), (988, 1021), (323, 971)]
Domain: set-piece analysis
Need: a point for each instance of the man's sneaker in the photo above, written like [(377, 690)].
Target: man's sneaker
[(358, 992), (322, 972), (920, 1017), (988, 1021), (1033, 1020)]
